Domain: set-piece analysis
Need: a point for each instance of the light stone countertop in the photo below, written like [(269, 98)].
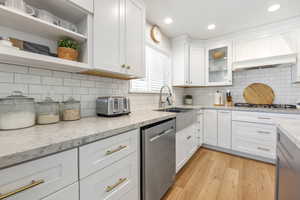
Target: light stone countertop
[(233, 108), (18, 146), (291, 128)]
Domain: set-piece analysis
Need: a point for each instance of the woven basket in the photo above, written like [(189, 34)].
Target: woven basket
[(68, 53)]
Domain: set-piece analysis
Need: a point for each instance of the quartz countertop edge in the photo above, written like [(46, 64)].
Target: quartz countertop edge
[(233, 108), (290, 128), (18, 146)]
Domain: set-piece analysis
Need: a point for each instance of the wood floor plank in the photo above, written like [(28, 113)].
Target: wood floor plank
[(211, 175)]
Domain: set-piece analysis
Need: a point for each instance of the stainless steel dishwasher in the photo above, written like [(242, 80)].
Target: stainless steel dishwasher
[(158, 159), (288, 169)]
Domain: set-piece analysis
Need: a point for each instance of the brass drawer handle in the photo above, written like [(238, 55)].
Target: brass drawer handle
[(128, 67), (111, 187), (263, 149), (267, 118), (264, 132), (120, 148), (189, 137), (22, 189), (123, 66)]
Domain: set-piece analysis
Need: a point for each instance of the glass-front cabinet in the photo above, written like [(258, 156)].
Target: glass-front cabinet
[(219, 64)]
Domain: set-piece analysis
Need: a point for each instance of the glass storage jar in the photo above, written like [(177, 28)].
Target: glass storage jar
[(71, 110), (47, 112), (16, 111)]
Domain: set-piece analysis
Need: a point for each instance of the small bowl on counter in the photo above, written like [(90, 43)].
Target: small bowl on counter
[(47, 112), (17, 111)]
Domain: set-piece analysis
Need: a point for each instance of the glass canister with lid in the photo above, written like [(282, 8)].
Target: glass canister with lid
[(47, 112), (17, 111), (71, 110)]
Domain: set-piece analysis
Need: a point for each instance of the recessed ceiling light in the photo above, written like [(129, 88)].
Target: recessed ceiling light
[(211, 27), (274, 7), (168, 20)]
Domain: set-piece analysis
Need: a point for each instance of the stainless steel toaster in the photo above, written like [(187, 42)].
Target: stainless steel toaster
[(112, 106)]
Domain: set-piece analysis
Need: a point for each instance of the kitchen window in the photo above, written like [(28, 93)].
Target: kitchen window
[(158, 72)]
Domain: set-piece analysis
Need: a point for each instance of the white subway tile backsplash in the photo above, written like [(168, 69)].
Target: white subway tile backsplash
[(79, 76), (60, 86), (62, 74), (8, 88), (81, 91), (41, 72), (87, 83), (6, 77), (27, 78), (279, 78), (52, 81), (72, 82)]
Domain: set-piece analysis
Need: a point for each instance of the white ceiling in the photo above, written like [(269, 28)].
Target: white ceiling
[(192, 16)]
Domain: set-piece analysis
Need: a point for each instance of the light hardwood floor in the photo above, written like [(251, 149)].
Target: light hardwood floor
[(212, 175)]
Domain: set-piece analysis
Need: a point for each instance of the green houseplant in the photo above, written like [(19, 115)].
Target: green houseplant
[(68, 49)]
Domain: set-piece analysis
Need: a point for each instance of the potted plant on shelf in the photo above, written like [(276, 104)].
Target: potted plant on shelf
[(68, 49)]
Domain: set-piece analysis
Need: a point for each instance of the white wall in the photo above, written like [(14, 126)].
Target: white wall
[(164, 45)]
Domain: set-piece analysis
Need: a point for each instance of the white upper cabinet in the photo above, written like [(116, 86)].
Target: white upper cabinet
[(188, 63), (85, 4), (264, 50), (135, 38), (219, 64), (197, 66), (119, 34)]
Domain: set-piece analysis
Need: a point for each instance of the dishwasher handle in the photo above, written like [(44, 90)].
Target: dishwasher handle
[(162, 134)]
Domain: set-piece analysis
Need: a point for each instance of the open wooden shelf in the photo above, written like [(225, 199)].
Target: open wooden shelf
[(19, 57), (26, 23)]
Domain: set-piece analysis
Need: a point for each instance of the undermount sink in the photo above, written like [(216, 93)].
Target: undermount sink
[(174, 110)]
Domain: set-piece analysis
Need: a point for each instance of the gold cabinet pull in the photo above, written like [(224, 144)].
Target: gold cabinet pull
[(123, 66), (128, 67), (111, 187), (263, 149), (109, 152), (22, 189)]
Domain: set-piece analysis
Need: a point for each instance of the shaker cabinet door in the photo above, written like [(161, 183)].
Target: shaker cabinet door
[(135, 38), (197, 67), (109, 35), (224, 129), (210, 127)]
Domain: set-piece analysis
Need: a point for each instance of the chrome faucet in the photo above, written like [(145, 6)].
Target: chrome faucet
[(168, 100)]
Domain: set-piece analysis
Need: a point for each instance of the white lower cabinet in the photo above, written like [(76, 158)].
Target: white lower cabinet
[(68, 193), (41, 177), (200, 128), (211, 127), (116, 182), (224, 129), (98, 155), (186, 145)]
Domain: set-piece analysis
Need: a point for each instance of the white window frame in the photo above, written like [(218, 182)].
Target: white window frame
[(148, 89)]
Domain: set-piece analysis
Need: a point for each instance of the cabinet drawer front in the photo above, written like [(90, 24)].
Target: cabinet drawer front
[(68, 193), (40, 177), (113, 182), (262, 133), (96, 156), (253, 147), (256, 117)]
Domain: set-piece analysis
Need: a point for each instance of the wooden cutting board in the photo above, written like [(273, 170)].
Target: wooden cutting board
[(259, 93)]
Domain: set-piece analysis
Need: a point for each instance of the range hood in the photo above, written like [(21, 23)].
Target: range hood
[(265, 62)]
